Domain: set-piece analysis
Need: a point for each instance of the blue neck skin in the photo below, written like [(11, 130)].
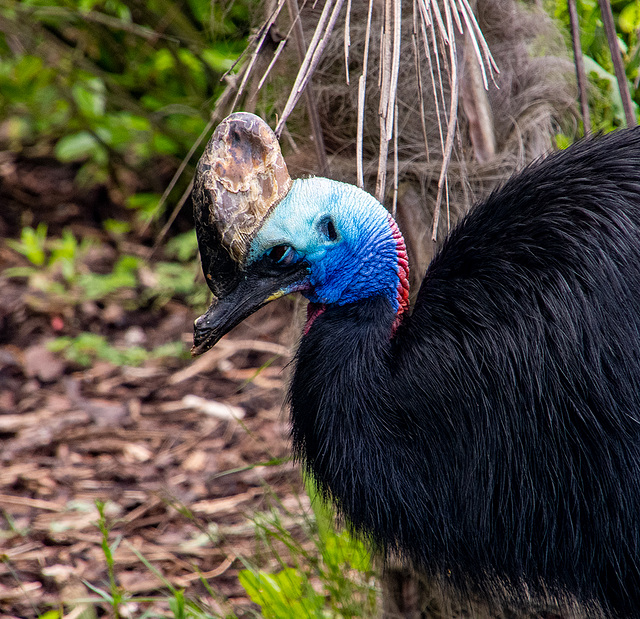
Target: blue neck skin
[(347, 237)]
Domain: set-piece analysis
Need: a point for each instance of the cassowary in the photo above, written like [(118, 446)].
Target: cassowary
[(491, 434)]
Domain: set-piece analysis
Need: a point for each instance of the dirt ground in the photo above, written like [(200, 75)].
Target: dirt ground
[(183, 453)]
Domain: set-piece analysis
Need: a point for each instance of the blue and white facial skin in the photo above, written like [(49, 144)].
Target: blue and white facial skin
[(343, 233)]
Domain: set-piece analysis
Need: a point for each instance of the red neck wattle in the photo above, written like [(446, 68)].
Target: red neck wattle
[(403, 273), (313, 311)]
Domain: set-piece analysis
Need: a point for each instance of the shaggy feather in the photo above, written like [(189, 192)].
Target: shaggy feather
[(495, 438)]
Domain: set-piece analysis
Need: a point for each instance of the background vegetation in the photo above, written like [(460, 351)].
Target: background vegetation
[(604, 96)]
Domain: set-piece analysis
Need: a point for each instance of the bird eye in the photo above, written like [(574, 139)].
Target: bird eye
[(328, 229), (282, 255)]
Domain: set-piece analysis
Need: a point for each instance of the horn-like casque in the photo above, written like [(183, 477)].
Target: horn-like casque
[(240, 177)]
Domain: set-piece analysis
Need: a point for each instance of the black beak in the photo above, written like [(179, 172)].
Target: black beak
[(259, 285), (239, 179)]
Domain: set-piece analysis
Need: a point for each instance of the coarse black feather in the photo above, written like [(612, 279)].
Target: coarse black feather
[(496, 436)]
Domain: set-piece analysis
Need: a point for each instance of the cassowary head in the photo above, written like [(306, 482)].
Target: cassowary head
[(262, 236)]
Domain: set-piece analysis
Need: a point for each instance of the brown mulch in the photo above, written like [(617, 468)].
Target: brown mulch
[(158, 444), (182, 453)]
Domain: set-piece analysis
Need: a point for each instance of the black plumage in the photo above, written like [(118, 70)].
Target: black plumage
[(494, 438), (498, 432)]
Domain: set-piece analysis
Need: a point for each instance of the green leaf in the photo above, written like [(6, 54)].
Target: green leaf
[(19, 272), (616, 100), (101, 592), (341, 551), (217, 60), (629, 18), (90, 97), (164, 61), (27, 69), (164, 145), (77, 146), (87, 347), (177, 605), (96, 286), (201, 10), (85, 6), (285, 595), (145, 203), (116, 227), (183, 246), (31, 244)]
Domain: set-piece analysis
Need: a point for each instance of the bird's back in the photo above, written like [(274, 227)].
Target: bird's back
[(531, 314)]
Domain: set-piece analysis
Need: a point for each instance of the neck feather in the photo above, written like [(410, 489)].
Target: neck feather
[(350, 431)]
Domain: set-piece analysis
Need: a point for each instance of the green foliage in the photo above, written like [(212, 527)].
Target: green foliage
[(333, 579), (113, 88), (562, 141), (112, 85), (146, 204), (58, 269), (182, 247), (629, 18), (605, 103), (56, 264), (31, 244), (85, 348), (116, 228), (114, 596), (96, 286), (288, 594)]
